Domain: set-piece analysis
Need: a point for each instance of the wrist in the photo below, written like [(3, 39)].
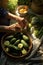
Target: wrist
[(6, 27)]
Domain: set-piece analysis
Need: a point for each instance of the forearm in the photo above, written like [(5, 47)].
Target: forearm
[(12, 16), (3, 28), (9, 15)]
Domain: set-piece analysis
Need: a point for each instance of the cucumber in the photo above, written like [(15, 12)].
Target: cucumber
[(17, 41), (20, 45), (13, 40), (9, 37), (24, 51), (25, 38), (6, 43), (7, 49), (24, 43), (12, 46), (15, 47)]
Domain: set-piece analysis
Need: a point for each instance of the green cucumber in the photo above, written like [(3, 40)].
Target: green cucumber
[(20, 45), (6, 43), (9, 37), (24, 43), (7, 49), (25, 38), (13, 40), (24, 51), (13, 46), (17, 41)]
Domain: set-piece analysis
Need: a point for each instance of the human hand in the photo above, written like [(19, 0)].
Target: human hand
[(11, 28), (22, 22), (15, 27)]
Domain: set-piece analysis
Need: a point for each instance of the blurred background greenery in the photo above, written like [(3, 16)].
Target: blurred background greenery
[(12, 4)]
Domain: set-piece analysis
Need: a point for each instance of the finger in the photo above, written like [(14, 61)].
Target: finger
[(18, 25), (23, 24)]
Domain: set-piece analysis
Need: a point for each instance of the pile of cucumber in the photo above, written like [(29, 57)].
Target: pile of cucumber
[(17, 44)]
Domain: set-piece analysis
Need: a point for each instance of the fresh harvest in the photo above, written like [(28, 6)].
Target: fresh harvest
[(37, 24), (17, 44)]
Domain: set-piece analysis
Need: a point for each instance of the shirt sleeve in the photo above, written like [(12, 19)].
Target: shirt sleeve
[(3, 12)]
